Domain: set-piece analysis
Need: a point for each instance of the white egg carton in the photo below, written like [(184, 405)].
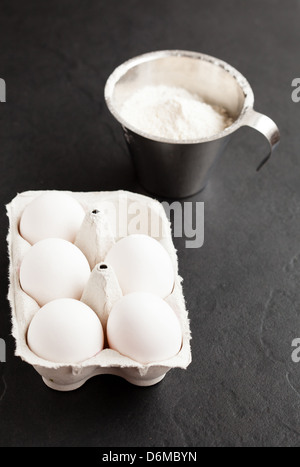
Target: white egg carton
[(96, 236)]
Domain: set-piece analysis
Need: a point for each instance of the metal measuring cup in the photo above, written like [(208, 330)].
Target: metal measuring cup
[(177, 169)]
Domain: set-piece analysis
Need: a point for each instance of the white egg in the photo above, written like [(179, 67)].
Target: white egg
[(52, 214), (65, 331), (54, 268), (143, 327), (142, 264)]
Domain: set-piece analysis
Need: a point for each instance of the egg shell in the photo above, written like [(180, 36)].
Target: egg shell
[(142, 264), (142, 326), (65, 330), (52, 214), (54, 268)]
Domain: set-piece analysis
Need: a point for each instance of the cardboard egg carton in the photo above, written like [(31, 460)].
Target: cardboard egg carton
[(109, 217)]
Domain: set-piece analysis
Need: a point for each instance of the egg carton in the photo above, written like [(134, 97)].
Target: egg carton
[(109, 217)]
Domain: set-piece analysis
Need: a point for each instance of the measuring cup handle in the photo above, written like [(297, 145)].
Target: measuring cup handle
[(267, 127)]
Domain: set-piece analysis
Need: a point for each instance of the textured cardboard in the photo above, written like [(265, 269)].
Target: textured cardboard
[(98, 233)]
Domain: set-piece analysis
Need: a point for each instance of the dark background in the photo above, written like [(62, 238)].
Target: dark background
[(241, 288)]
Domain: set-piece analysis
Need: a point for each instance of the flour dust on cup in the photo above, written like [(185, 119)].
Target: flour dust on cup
[(177, 169)]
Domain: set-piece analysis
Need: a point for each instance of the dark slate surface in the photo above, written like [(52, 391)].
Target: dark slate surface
[(241, 287)]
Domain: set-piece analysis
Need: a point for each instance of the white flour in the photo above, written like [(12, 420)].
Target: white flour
[(173, 113)]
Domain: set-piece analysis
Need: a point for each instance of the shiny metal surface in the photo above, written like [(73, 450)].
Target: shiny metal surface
[(180, 169)]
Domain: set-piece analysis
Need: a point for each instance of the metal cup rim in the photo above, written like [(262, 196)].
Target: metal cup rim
[(120, 70)]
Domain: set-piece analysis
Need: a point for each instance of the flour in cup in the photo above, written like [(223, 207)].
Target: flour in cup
[(173, 113)]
